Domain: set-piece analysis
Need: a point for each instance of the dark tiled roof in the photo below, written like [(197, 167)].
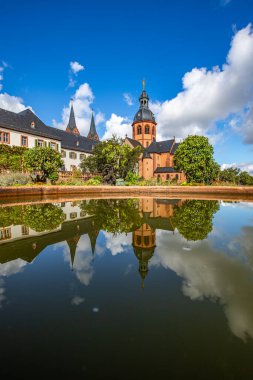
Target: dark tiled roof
[(72, 121), (166, 169), (160, 146), (92, 132), (174, 148), (134, 142), (146, 155), (21, 122)]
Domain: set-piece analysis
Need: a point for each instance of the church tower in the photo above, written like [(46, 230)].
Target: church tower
[(92, 135), (144, 124), (71, 127)]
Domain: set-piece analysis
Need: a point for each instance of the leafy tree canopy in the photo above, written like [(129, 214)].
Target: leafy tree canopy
[(112, 159), (194, 218), (12, 157), (194, 157), (113, 215), (45, 160)]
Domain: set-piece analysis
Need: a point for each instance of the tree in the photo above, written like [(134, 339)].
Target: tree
[(245, 178), (194, 156), (44, 163), (12, 157), (230, 175), (194, 218), (113, 215), (43, 217), (112, 159)]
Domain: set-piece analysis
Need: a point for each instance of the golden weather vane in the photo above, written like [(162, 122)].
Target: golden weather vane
[(143, 84)]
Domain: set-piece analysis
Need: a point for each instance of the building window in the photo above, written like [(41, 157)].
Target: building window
[(73, 215), (5, 233), (82, 156), (72, 155), (4, 137), (139, 130), (24, 141), (63, 153), (147, 144), (138, 240), (146, 240), (39, 143), (167, 176), (146, 130), (25, 230)]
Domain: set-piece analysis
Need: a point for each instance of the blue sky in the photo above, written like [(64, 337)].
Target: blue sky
[(117, 44)]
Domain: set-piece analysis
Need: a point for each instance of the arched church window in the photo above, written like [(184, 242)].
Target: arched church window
[(138, 240), (146, 240), (138, 130), (146, 129)]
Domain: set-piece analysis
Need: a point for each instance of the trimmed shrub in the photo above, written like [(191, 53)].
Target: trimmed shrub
[(14, 179)]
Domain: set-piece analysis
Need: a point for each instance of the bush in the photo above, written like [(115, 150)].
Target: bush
[(132, 179), (12, 179), (96, 180)]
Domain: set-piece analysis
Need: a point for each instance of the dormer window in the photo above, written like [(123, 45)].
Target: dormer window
[(77, 143), (33, 124)]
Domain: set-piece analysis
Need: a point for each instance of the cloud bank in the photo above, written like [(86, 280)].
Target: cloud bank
[(212, 95)]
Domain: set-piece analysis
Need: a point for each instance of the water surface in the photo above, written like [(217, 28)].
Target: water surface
[(127, 289)]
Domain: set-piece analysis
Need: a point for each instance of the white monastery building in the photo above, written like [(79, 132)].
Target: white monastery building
[(26, 129)]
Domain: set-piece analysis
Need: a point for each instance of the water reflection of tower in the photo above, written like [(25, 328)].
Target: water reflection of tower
[(144, 238), (156, 214)]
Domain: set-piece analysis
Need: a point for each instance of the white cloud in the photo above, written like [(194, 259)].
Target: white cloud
[(117, 125), (117, 243), (209, 274), (76, 67), (212, 95), (12, 103), (128, 99), (9, 102), (244, 166), (82, 101)]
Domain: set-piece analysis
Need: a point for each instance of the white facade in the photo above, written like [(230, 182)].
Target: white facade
[(71, 212), (71, 158)]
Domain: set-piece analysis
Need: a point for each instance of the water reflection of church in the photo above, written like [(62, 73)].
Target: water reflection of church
[(156, 214), (25, 243)]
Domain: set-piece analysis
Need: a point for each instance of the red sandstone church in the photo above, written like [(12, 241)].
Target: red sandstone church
[(157, 159)]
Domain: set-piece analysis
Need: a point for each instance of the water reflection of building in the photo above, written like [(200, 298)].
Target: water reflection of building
[(156, 214), (24, 243)]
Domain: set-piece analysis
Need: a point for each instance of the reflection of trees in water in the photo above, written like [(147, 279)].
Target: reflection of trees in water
[(114, 215), (40, 217), (194, 219)]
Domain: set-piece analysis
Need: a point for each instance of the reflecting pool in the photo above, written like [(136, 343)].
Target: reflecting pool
[(126, 289)]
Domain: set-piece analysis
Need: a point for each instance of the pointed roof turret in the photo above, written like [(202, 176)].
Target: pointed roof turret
[(93, 234), (72, 243), (71, 127), (92, 135)]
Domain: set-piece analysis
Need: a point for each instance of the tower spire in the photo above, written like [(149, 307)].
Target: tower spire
[(71, 127), (143, 84), (92, 135)]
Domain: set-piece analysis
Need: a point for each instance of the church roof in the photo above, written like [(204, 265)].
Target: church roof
[(174, 148), (92, 132), (160, 146), (72, 121), (134, 143), (144, 113), (21, 122)]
